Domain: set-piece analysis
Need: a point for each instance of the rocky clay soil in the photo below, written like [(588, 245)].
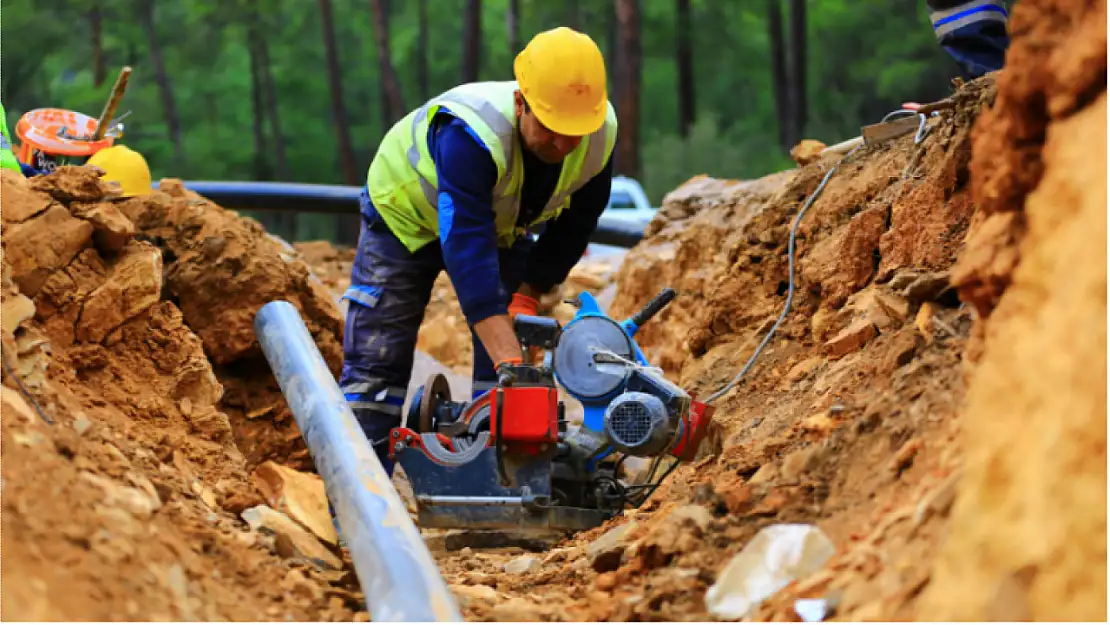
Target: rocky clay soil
[(934, 402)]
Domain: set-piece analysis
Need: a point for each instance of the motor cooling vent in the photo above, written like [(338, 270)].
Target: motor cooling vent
[(638, 424)]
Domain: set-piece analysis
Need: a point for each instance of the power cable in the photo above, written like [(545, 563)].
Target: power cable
[(790, 263), (918, 137)]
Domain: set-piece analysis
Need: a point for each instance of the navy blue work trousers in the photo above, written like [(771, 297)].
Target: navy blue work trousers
[(390, 290)]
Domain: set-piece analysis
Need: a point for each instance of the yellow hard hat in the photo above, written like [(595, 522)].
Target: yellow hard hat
[(127, 167), (561, 74)]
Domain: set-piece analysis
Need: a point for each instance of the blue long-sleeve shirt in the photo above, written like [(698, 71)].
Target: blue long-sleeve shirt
[(466, 176)]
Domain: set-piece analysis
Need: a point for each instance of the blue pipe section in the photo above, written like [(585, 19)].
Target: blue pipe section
[(341, 199), (399, 578)]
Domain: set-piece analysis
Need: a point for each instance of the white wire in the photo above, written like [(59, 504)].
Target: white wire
[(790, 291)]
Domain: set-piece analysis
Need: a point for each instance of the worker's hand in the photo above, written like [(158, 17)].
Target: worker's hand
[(499, 339), (523, 305)]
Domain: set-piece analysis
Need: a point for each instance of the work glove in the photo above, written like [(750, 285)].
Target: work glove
[(523, 305)]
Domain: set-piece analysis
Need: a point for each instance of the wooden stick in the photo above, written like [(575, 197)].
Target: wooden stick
[(843, 147), (940, 105), (112, 104), (877, 133)]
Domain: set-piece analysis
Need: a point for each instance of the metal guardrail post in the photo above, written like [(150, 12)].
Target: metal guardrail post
[(399, 578)]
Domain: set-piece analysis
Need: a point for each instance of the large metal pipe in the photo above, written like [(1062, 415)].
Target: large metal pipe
[(398, 576), (340, 199)]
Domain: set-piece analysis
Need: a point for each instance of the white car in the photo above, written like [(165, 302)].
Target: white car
[(627, 202)]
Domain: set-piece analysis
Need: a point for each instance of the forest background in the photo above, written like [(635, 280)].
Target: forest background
[(304, 90)]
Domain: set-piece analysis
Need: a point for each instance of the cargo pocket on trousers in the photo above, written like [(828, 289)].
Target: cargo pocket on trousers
[(362, 303), (363, 294)]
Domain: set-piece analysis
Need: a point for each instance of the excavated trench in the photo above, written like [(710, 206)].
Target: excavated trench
[(934, 402)]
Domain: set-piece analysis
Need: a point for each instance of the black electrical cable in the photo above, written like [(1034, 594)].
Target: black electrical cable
[(652, 486), (26, 393)]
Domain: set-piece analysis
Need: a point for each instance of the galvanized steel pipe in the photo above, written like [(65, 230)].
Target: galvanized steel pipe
[(398, 576)]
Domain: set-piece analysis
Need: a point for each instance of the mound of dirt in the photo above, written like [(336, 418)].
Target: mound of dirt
[(934, 402), (124, 472), (1028, 536)]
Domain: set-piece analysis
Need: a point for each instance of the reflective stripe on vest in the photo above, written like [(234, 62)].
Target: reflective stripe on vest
[(502, 127), (404, 189), (949, 21)]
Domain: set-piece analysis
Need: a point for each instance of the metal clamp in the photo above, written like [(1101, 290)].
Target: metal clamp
[(437, 452)]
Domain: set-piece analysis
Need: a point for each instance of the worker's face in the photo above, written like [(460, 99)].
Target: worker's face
[(548, 146)]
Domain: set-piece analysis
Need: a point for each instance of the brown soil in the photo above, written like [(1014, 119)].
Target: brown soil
[(934, 402), (1028, 534), (125, 505)]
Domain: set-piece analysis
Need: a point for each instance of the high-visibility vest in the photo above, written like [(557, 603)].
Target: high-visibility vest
[(7, 157), (402, 180)]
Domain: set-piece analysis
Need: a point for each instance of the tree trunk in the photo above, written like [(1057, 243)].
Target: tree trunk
[(100, 72), (779, 83), (472, 40), (394, 108), (270, 93), (685, 61), (612, 45), (173, 123), (628, 79), (797, 69), (422, 49), (335, 82), (261, 162), (512, 22)]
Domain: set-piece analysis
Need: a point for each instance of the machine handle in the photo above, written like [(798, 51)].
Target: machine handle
[(654, 306)]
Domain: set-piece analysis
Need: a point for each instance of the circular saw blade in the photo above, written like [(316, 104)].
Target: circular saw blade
[(574, 362)]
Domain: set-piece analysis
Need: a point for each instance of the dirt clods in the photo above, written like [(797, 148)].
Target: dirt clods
[(929, 416), (123, 477)]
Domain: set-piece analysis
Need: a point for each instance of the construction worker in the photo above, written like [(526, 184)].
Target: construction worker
[(7, 153), (972, 32), (125, 166), (461, 184)]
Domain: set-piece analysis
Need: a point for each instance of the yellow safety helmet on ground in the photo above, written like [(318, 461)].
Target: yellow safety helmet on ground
[(561, 74), (127, 167)]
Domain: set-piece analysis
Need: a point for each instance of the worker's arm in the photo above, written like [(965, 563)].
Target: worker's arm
[(466, 177), (565, 238)]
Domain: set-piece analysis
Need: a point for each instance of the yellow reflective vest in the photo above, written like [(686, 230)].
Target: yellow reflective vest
[(402, 177), (7, 156)]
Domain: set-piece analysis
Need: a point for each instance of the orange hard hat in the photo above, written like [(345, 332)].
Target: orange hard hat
[(561, 74)]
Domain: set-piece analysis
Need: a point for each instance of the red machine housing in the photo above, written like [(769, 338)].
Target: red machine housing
[(693, 431), (530, 415)]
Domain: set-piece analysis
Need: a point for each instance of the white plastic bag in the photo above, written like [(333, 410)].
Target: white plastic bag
[(778, 555)]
